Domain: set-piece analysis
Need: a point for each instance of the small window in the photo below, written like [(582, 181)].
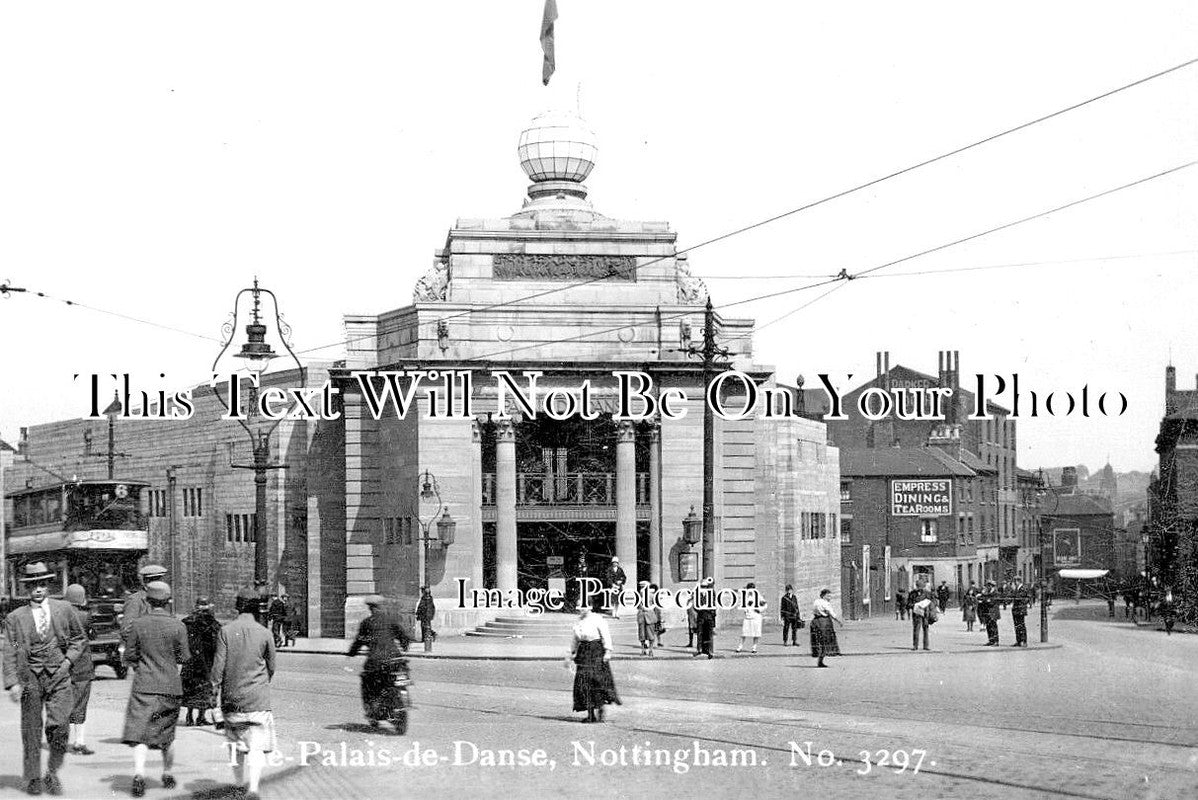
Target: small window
[(927, 530), (846, 494), (846, 531)]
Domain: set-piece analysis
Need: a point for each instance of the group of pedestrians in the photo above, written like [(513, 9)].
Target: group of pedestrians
[(984, 606), (47, 667)]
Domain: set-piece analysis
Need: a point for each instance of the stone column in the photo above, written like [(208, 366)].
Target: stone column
[(656, 573), (626, 500), (505, 505), (475, 505)]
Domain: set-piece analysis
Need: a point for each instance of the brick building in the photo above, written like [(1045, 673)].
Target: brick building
[(903, 523), (990, 510), (536, 500), (1172, 523), (1080, 532)]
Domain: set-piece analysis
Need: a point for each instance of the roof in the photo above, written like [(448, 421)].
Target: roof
[(90, 482), (900, 462), (6, 446), (1076, 505), (976, 464)]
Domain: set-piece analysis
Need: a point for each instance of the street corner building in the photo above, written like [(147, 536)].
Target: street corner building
[(537, 498)]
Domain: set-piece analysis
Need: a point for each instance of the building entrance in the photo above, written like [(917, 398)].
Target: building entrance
[(551, 555)]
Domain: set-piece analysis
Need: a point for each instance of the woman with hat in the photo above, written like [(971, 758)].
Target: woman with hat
[(155, 647), (136, 604), (590, 650), (750, 629), (82, 673), (202, 632)]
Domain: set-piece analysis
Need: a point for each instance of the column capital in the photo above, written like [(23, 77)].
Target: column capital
[(505, 430), (625, 431), (476, 430), (653, 428)]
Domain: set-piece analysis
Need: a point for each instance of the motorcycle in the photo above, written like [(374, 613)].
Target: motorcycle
[(385, 694)]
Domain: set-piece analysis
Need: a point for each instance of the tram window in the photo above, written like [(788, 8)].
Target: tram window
[(54, 507), (37, 510)]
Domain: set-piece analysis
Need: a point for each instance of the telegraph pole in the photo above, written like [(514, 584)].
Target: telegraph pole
[(708, 443)]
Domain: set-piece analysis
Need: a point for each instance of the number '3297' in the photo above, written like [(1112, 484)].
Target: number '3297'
[(898, 760)]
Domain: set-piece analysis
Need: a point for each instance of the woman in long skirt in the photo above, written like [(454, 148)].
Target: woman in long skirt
[(202, 633), (590, 650), (969, 608), (823, 634)]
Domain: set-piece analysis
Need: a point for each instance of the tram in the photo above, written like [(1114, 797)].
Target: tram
[(90, 532)]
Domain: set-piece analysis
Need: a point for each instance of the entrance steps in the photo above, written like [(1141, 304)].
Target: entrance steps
[(548, 626)]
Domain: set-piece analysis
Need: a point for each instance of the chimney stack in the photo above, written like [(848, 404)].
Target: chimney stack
[(1069, 478)]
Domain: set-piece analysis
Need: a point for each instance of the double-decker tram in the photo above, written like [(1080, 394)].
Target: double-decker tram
[(93, 533), (88, 532)]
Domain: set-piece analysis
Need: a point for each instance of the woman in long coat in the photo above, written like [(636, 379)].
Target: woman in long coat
[(202, 632), (969, 608), (590, 650), (823, 634)]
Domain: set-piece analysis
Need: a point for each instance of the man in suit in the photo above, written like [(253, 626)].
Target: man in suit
[(992, 602), (42, 642), (705, 618), (1019, 603), (241, 673), (790, 617)]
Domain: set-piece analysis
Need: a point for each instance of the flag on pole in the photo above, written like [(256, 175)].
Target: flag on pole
[(547, 40)]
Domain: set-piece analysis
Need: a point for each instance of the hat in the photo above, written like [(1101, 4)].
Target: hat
[(203, 602), (76, 595), (708, 582), (151, 571), (643, 583), (373, 600), (36, 572), (158, 590), (615, 559)]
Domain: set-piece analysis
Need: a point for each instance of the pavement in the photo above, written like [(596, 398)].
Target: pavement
[(1106, 712), (874, 636)]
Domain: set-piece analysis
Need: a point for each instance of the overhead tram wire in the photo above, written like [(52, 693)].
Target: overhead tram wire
[(119, 315), (844, 276), (793, 211)]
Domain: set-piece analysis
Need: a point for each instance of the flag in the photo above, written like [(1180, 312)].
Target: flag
[(547, 40)]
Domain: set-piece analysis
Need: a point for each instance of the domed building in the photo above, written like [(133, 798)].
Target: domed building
[(562, 292)]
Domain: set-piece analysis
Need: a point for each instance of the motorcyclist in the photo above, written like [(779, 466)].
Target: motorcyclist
[(386, 640)]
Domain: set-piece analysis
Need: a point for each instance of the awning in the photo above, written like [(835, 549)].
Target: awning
[(1083, 574)]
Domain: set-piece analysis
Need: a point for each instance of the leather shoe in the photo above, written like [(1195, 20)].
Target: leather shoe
[(168, 781), (34, 786), (139, 786), (52, 784), (82, 750)]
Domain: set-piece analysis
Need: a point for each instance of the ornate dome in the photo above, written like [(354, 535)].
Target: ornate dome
[(557, 146)]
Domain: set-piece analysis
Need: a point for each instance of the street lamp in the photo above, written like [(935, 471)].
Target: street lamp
[(432, 509), (254, 356), (692, 529)]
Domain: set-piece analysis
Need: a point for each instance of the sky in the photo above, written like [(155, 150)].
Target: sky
[(154, 157)]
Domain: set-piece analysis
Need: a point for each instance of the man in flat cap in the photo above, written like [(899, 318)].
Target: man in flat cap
[(241, 673), (384, 638), (136, 604), (155, 647), (42, 641)]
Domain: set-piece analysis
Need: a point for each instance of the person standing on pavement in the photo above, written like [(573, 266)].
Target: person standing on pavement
[(647, 619), (921, 606), (590, 651), (823, 633), (241, 673), (42, 641), (942, 595), (155, 648), (792, 620), (277, 614), (969, 607), (426, 610), (1168, 610), (202, 633), (82, 673), (992, 601), (615, 582), (136, 604), (750, 629), (1019, 603), (705, 618), (692, 624)]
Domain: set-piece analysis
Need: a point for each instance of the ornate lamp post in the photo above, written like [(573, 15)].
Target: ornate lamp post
[(254, 356), (432, 510)]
